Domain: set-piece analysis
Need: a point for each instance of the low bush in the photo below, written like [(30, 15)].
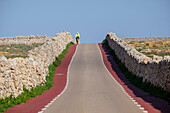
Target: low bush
[(141, 41), (131, 42)]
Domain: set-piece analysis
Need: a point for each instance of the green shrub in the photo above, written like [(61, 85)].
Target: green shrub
[(160, 42), (141, 41), (131, 42), (139, 49), (147, 44), (57, 62)]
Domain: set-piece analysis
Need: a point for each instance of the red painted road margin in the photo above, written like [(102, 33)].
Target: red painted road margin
[(149, 103), (35, 105)]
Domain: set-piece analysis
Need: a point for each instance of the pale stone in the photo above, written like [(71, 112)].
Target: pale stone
[(33, 70), (154, 70)]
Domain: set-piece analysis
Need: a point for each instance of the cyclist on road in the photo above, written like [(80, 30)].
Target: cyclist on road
[(77, 37)]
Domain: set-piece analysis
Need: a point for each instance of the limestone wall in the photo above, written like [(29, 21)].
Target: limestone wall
[(31, 71), (23, 39), (147, 39), (156, 70)]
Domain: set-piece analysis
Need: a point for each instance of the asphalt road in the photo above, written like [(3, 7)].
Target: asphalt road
[(91, 89)]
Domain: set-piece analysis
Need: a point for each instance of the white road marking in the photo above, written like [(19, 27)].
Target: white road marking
[(46, 106), (142, 108), (40, 112), (59, 74), (43, 109), (117, 82), (139, 105), (135, 102)]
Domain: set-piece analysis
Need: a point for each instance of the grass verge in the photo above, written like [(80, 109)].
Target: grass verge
[(138, 81), (9, 102)]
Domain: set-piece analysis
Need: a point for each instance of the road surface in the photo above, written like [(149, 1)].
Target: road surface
[(91, 88)]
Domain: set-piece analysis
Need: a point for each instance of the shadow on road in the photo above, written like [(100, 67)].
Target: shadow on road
[(157, 103)]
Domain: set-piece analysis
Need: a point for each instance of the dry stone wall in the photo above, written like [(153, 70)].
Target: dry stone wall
[(23, 39), (155, 71), (30, 71)]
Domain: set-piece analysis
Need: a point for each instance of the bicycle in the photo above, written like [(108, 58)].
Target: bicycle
[(78, 40)]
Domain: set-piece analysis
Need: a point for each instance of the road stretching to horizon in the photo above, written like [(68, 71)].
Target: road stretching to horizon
[(91, 89)]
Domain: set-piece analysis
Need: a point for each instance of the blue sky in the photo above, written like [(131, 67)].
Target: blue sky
[(92, 18)]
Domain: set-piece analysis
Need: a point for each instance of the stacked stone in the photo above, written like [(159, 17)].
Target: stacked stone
[(23, 40), (155, 71), (31, 71)]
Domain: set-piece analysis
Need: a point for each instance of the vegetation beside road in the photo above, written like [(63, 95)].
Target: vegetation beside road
[(11, 101), (152, 48), (138, 81), (17, 50)]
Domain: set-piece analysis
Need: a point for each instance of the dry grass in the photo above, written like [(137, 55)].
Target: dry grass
[(17, 50), (152, 48)]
